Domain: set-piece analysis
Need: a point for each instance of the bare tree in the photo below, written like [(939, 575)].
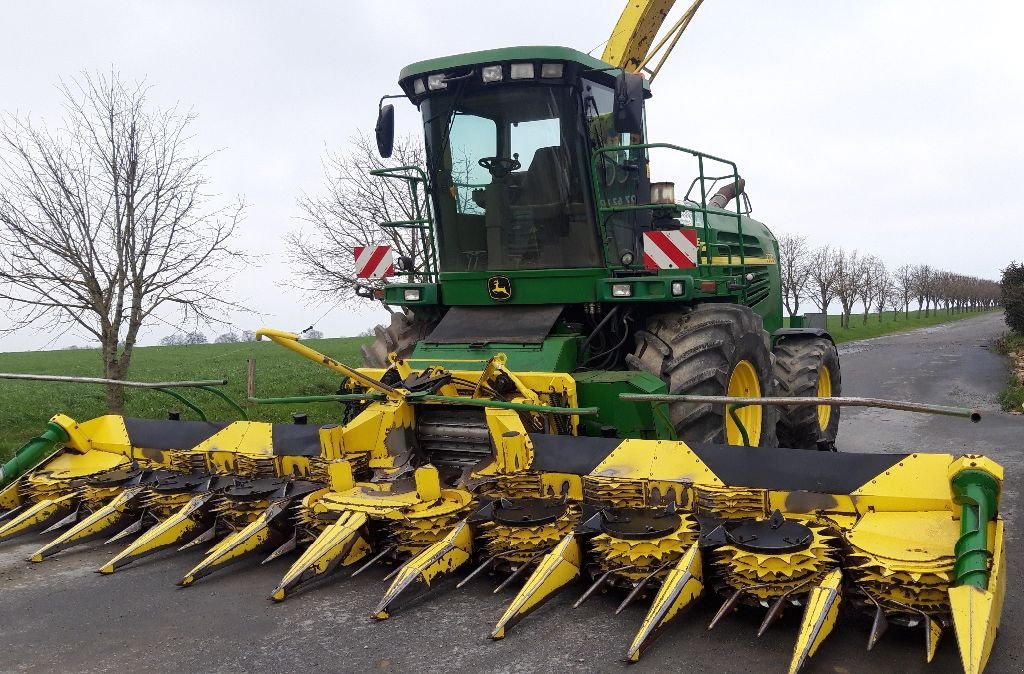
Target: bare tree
[(884, 289), (903, 283), (824, 275), (193, 338), (923, 279), (867, 291), (795, 257), (106, 220), (313, 334), (226, 338), (849, 281), (348, 213)]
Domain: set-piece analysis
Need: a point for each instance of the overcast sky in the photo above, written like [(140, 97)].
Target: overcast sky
[(892, 127)]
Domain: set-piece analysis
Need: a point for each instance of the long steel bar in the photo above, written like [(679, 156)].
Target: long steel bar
[(944, 410), (291, 341), (97, 380)]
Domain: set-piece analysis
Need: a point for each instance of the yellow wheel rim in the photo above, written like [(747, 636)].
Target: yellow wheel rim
[(743, 383), (824, 391)]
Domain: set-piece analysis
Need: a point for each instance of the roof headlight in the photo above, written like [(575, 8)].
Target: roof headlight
[(550, 70), (437, 81), (491, 73), (418, 87), (522, 71)]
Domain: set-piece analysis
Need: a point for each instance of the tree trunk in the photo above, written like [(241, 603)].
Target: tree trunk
[(112, 370)]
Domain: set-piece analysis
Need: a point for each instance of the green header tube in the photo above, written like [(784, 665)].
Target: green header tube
[(32, 454)]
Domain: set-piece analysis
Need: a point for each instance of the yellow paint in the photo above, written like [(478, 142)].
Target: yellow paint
[(910, 537), (824, 391), (743, 383), (96, 523), (555, 570), (916, 483), (441, 558), (10, 496), (683, 585), (241, 542), (734, 261), (977, 612), (68, 466), (173, 530), (368, 432), (974, 462), (662, 460), (819, 618), (39, 514), (634, 32), (341, 543)]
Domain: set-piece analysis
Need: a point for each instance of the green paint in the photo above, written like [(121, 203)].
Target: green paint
[(502, 405), (558, 353), (977, 492), (602, 389), (421, 398), (504, 54), (33, 453)]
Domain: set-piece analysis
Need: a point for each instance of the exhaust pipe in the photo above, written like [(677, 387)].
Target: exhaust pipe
[(727, 193)]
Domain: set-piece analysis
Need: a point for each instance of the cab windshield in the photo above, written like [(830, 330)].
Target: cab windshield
[(508, 170)]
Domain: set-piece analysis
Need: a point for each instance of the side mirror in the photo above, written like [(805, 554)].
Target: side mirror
[(628, 112), (385, 130)]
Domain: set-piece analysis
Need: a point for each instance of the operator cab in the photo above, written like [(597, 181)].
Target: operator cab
[(508, 145)]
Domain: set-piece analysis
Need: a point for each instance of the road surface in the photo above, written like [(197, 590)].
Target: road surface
[(59, 615)]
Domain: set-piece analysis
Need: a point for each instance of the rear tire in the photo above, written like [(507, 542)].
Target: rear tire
[(400, 337), (711, 349), (808, 366)]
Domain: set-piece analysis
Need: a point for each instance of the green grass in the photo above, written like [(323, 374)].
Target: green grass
[(26, 406), (889, 324), (1012, 397)]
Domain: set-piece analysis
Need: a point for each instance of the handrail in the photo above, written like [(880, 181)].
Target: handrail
[(422, 220), (702, 208)]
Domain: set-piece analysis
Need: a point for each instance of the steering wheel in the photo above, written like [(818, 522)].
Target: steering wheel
[(500, 166)]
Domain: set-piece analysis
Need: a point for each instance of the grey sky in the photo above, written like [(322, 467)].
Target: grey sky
[(891, 127)]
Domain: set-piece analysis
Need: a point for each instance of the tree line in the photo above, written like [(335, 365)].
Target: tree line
[(826, 275)]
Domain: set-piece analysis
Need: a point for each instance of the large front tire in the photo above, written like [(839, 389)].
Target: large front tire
[(808, 366), (712, 349), (400, 337)]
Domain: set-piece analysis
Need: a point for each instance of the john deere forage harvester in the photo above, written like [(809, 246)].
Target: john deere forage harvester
[(511, 421)]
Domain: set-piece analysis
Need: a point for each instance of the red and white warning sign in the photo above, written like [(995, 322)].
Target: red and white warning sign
[(670, 249), (374, 261)]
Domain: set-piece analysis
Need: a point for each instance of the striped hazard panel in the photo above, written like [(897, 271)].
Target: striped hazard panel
[(670, 249), (373, 261)]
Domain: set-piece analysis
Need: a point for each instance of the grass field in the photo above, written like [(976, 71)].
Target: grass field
[(26, 406)]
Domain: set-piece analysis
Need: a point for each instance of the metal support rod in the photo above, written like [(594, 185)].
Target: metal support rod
[(501, 404), (448, 400), (316, 399), (118, 382), (944, 410), (291, 341)]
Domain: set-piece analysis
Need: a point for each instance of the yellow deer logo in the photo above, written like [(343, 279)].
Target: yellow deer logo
[(499, 288)]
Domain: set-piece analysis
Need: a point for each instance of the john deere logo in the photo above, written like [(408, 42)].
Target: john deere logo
[(499, 288)]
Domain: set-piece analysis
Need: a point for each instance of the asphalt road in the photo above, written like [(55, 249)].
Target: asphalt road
[(60, 616)]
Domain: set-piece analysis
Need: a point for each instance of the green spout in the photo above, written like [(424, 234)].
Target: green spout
[(33, 453), (977, 492)]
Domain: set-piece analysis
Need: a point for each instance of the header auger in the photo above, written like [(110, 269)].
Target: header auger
[(511, 490)]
